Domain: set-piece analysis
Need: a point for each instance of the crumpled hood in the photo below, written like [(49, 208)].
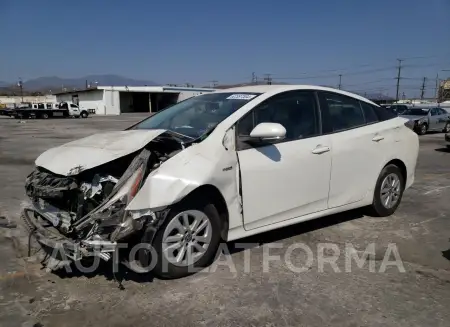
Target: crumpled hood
[(73, 157), (412, 117)]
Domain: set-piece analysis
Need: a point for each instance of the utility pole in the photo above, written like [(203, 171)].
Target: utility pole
[(340, 81), (254, 78), (20, 85), (437, 88), (213, 83), (422, 89), (268, 79), (398, 76)]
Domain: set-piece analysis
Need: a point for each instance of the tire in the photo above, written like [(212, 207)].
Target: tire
[(446, 128), (164, 268), (422, 129), (84, 114), (379, 208), (44, 115)]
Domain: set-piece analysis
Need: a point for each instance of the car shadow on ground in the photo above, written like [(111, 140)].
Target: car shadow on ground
[(445, 150), (446, 254), (121, 273), (283, 233)]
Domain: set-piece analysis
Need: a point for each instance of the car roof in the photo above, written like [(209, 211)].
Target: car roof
[(282, 88)]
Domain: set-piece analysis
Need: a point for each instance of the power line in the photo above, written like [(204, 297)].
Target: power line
[(213, 83), (268, 78), (363, 72)]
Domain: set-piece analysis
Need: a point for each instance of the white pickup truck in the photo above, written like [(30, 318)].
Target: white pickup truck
[(49, 110)]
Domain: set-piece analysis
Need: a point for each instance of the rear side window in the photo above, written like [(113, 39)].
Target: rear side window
[(344, 112), (383, 113), (369, 112)]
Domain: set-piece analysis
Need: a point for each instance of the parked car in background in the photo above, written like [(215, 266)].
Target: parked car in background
[(395, 108), (428, 119), (220, 166)]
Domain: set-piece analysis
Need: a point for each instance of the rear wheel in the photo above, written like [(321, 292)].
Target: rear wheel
[(44, 115), (446, 128), (388, 191), (84, 114), (188, 240)]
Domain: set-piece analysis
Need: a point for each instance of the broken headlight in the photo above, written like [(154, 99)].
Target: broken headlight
[(115, 214)]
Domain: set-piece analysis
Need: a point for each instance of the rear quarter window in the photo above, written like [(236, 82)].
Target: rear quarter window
[(383, 113), (369, 113)]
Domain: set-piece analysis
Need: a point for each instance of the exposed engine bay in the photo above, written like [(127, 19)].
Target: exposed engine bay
[(87, 208)]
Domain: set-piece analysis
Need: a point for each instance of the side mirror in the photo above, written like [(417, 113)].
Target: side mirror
[(268, 132)]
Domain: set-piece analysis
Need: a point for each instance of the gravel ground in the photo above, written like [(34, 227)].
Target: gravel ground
[(419, 295)]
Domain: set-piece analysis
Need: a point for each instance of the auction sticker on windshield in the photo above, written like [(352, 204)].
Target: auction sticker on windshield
[(241, 96)]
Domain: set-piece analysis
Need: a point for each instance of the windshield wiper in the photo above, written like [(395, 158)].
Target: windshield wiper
[(179, 134)]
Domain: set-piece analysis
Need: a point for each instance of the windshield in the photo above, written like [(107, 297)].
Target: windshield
[(198, 115), (415, 112)]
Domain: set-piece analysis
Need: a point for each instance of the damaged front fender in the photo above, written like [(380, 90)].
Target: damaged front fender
[(173, 181)]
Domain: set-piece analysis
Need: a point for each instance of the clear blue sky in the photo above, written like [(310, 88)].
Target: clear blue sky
[(198, 41)]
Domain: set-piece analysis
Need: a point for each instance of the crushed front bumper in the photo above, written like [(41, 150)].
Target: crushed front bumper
[(57, 245), (63, 249)]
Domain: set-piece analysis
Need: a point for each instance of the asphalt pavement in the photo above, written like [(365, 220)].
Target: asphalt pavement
[(241, 288)]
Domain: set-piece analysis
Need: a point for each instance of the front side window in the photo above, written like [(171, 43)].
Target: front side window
[(442, 112), (434, 112), (198, 115), (344, 112), (73, 106), (295, 110)]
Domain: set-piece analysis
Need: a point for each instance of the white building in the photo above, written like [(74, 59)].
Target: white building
[(114, 100)]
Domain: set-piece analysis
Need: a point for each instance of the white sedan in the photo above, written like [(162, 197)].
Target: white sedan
[(220, 166)]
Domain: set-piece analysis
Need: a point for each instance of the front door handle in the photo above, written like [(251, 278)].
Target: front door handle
[(378, 138), (320, 149)]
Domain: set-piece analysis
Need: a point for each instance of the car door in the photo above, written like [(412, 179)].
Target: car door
[(290, 178), (434, 119), (360, 144), (444, 118)]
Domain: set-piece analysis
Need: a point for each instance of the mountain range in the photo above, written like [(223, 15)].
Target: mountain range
[(55, 83)]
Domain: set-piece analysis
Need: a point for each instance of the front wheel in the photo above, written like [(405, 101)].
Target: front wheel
[(84, 114), (422, 129), (446, 128), (188, 240), (388, 191)]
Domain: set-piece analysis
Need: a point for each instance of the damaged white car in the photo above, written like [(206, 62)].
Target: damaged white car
[(219, 166)]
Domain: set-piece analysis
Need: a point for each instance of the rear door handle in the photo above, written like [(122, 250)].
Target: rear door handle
[(378, 138), (320, 149)]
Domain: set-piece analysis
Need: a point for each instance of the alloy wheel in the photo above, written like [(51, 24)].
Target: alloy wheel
[(186, 237), (390, 190)]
